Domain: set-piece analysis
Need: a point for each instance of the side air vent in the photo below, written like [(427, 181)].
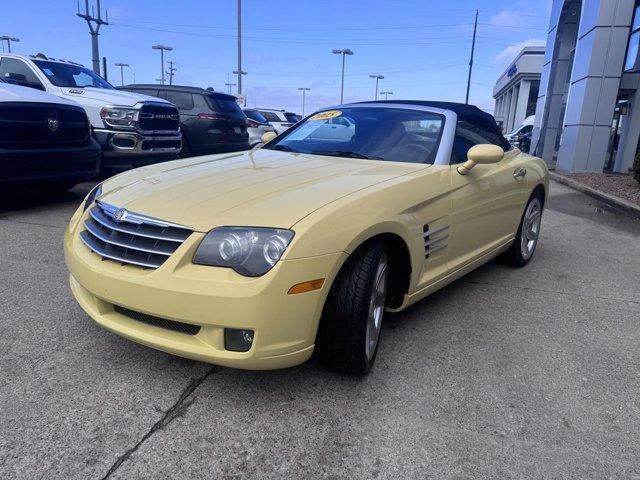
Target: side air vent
[(435, 239)]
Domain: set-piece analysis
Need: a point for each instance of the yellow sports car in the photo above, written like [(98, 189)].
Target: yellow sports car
[(257, 259)]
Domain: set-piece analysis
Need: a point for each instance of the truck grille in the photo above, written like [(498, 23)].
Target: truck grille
[(159, 118), (130, 238), (26, 125)]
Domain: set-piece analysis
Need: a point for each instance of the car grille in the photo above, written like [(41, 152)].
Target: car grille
[(159, 118), (35, 125), (161, 144), (130, 238), (179, 327)]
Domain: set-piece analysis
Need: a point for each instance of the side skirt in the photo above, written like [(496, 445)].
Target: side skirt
[(462, 271)]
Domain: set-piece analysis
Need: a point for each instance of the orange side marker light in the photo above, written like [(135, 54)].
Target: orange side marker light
[(309, 286)]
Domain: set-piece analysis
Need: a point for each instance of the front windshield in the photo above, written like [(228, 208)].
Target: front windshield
[(376, 133), (70, 75)]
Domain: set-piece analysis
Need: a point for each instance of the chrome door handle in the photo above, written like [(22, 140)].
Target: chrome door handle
[(519, 173)]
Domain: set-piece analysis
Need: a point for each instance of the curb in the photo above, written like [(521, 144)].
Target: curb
[(611, 200)]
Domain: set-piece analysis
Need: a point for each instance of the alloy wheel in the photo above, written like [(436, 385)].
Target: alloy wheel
[(376, 306), (530, 228)]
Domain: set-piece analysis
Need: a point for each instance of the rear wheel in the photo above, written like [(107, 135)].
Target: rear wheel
[(524, 245), (349, 331)]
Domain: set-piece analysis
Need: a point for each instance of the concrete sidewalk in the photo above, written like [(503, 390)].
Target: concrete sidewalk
[(507, 373)]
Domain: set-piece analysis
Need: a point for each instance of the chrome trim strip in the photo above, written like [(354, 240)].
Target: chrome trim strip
[(435, 240), (122, 227), (434, 231), (100, 236), (96, 249), (139, 219), (435, 249)]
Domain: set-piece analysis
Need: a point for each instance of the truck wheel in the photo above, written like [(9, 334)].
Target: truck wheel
[(349, 331), (524, 245)]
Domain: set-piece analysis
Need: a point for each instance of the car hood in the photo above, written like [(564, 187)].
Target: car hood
[(265, 188), (17, 93), (111, 97)]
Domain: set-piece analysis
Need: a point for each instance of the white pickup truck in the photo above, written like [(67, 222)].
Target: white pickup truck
[(132, 129)]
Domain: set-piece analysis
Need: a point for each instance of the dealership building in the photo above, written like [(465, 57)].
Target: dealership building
[(588, 109), (517, 89)]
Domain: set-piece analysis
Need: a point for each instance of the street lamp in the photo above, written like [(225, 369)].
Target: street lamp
[(377, 77), (343, 52), (162, 48), (230, 85), (121, 65), (8, 39), (386, 94), (242, 72), (304, 91)]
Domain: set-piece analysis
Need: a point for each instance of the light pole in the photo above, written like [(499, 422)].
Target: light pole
[(386, 94), (121, 65), (8, 39), (162, 48), (343, 52), (239, 71), (230, 85), (377, 77), (94, 24), (304, 91)]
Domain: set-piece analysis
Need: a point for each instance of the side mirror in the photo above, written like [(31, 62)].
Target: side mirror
[(268, 136), (481, 154)]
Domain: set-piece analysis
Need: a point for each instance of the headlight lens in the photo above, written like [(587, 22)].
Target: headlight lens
[(119, 116), (93, 194), (249, 251)]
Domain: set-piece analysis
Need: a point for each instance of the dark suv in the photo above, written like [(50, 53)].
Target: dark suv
[(211, 122)]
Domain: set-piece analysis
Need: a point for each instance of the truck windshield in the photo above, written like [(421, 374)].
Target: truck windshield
[(69, 75)]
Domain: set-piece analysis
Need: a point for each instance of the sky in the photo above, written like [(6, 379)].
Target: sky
[(421, 47)]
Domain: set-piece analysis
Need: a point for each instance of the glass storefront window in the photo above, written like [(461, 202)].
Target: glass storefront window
[(632, 62)]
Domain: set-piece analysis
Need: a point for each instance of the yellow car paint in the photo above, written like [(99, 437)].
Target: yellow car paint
[(332, 204)]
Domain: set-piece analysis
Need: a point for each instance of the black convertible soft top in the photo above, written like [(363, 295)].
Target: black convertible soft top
[(463, 110)]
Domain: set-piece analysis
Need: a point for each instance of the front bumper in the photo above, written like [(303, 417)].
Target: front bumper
[(130, 143), (212, 298), (34, 167)]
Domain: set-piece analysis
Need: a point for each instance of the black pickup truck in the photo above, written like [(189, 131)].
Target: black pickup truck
[(45, 141)]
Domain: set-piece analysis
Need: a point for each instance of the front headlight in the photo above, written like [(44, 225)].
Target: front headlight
[(249, 251), (119, 116), (93, 194)]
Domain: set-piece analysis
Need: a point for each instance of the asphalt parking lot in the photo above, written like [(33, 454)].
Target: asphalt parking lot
[(529, 373)]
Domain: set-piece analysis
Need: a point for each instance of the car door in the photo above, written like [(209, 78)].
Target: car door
[(487, 202)]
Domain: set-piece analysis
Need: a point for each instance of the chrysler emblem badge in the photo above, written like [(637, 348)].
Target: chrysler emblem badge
[(120, 215), (53, 124)]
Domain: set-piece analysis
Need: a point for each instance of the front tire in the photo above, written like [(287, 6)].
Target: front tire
[(524, 245), (349, 331)]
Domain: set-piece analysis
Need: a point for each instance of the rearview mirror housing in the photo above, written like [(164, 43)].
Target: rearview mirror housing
[(481, 154), (268, 136)]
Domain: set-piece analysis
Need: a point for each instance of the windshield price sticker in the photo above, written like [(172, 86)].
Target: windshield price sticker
[(326, 115)]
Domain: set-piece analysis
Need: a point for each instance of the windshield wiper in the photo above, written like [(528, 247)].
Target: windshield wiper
[(282, 148), (344, 153)]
